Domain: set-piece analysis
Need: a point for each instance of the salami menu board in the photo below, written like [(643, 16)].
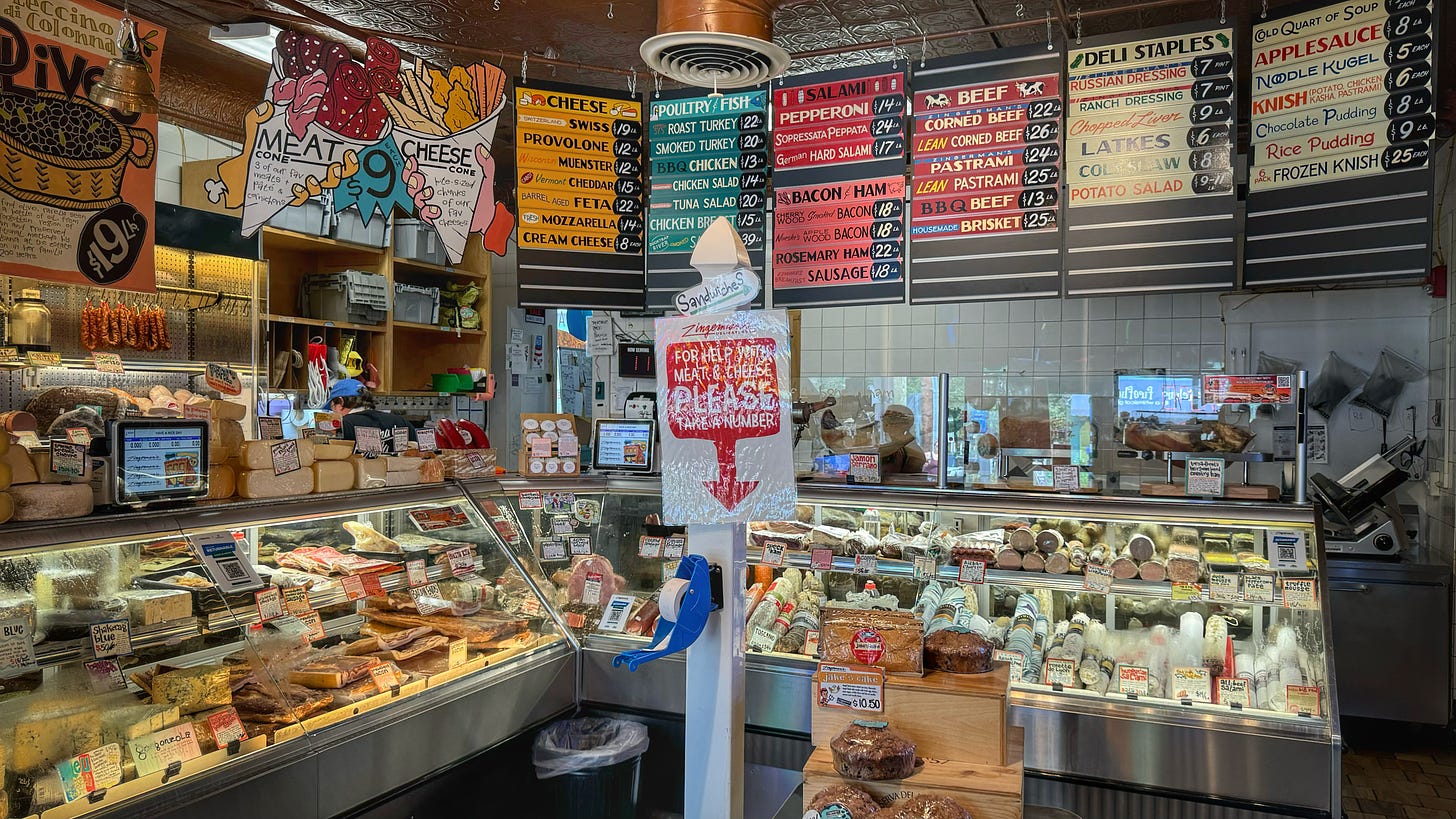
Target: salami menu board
[(707, 157), (839, 188), (1149, 166), (1340, 143), (986, 172), (580, 196)]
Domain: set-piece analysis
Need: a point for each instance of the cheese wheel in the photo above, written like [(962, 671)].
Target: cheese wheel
[(41, 459), (402, 478), (228, 411), (232, 436), (222, 481), (262, 483), (259, 454), (333, 451), (368, 472), (5, 475), (399, 463), (332, 476), (51, 501), (22, 470), (7, 507), (4, 442)]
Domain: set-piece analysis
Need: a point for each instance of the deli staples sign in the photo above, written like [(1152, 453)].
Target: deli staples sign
[(723, 387), (77, 195), (1341, 92)]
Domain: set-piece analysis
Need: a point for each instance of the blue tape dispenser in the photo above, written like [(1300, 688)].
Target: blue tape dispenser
[(684, 603)]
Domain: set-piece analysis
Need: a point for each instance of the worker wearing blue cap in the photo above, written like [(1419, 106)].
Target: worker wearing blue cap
[(353, 405)]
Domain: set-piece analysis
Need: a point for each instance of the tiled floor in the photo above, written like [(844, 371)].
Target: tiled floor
[(1399, 775)]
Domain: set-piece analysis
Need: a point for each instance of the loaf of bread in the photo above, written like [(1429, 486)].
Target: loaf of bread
[(893, 640), (851, 803), (870, 750), (959, 652), (924, 807)]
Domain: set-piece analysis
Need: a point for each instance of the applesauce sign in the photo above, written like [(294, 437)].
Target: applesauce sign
[(77, 192)]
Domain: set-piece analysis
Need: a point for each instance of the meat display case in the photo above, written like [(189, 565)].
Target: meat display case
[(406, 678), (1164, 735)]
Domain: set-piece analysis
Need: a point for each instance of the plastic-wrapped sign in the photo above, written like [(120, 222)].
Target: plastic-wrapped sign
[(724, 393)]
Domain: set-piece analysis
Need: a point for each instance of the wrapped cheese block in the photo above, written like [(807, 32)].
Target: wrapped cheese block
[(893, 640), (147, 607), (868, 749), (193, 689), (22, 469), (333, 451), (262, 483), (332, 476), (125, 723), (259, 454), (41, 459), (225, 439), (432, 470), (368, 472), (54, 588), (48, 733), (222, 481), (401, 463), (409, 478)]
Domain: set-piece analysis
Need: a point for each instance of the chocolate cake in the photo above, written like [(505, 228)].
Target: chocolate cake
[(924, 807), (959, 652), (870, 750), (843, 802)]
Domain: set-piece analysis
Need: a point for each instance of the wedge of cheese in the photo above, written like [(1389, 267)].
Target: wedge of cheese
[(51, 501), (222, 481), (146, 607), (368, 472), (225, 439), (333, 451), (51, 733), (259, 454), (22, 469), (262, 483), (193, 689), (135, 721), (41, 459), (228, 410), (402, 463), (402, 478), (332, 476)]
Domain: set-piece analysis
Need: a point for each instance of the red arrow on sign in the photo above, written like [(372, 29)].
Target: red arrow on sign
[(724, 391)]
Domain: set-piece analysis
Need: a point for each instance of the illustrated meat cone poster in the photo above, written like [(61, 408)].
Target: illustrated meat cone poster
[(77, 186)]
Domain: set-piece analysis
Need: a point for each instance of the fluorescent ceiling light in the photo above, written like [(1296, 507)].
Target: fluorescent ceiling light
[(253, 40)]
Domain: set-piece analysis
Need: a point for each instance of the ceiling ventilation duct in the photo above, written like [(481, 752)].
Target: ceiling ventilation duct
[(715, 43)]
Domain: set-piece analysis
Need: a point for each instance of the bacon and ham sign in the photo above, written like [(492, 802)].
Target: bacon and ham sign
[(727, 455)]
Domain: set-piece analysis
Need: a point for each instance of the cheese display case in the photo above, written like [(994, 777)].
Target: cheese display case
[(153, 661), (1172, 627)]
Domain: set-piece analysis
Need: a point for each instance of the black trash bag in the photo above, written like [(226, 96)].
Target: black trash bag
[(1336, 380), (572, 745), (1392, 372)]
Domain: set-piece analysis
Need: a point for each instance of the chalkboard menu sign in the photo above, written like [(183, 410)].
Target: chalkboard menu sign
[(580, 197), (1149, 166), (707, 157), (986, 170), (1340, 143), (839, 188)]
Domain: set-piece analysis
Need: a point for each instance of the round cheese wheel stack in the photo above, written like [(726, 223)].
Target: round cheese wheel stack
[(51, 501), (222, 481)]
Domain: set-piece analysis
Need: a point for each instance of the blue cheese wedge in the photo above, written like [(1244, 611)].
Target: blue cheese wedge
[(193, 689), (146, 607), (48, 734)]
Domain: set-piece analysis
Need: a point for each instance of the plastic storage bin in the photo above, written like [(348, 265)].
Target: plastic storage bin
[(413, 303), (351, 296), (417, 240), (312, 217), (350, 227)]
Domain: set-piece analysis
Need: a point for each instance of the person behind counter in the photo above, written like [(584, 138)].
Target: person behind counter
[(353, 406)]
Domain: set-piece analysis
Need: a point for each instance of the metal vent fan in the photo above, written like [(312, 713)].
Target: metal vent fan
[(715, 43)]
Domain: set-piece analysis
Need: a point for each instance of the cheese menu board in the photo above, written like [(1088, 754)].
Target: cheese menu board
[(985, 164), (1342, 116), (839, 188), (707, 157), (1149, 165), (580, 197)]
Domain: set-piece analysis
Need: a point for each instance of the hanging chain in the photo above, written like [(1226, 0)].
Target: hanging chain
[(656, 85), (1264, 10), (524, 58), (610, 15), (1222, 11), (1079, 25), (495, 6), (924, 46), (1050, 47), (632, 82), (1020, 10), (894, 53)]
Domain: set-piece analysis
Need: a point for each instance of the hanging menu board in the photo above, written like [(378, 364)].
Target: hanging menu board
[(580, 197), (707, 157), (1340, 143), (1150, 143), (986, 174), (839, 188)]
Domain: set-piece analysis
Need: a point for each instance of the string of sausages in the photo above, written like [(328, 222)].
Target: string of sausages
[(105, 327)]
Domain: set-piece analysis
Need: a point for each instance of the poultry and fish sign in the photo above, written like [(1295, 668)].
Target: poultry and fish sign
[(377, 135)]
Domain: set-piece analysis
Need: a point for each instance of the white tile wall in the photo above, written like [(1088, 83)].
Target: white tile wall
[(176, 145)]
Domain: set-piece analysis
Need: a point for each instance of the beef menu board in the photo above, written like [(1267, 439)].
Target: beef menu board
[(986, 173), (839, 188), (1340, 143), (707, 157), (1149, 166), (580, 197)]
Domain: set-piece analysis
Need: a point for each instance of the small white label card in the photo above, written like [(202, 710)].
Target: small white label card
[(111, 638), (773, 552)]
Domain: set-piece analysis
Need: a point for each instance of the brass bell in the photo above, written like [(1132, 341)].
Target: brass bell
[(126, 84)]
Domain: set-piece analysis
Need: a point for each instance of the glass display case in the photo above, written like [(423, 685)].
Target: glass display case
[(240, 639)]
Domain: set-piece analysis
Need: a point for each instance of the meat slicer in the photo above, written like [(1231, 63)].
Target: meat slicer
[(1361, 512)]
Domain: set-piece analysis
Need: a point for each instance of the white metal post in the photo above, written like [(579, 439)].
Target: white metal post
[(713, 768)]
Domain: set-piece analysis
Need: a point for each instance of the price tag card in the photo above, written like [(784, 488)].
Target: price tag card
[(17, 647), (399, 438), (226, 727), (105, 676), (288, 626), (1299, 593), (587, 511), (1204, 477), (674, 546), (80, 436), (563, 525), (92, 771), (270, 603), (579, 545), (353, 586), (1258, 588), (864, 467), (9, 355), (973, 572), (197, 411), (811, 642), (35, 358), (223, 379), (1223, 587), (858, 689), (154, 752), (428, 599), (285, 457), (1066, 477), (568, 446), (1132, 679), (1015, 658), (462, 560), (553, 549), (669, 569), (218, 552), (475, 461), (372, 585), (270, 428), (107, 363), (618, 609), (367, 441), (1097, 579), (649, 546), (68, 459), (1061, 671), (1234, 690), (314, 624), (111, 638), (591, 594), (773, 552), (865, 564), (437, 518), (459, 652), (559, 503), (1288, 550), (426, 439), (1183, 592), (1192, 684), (384, 678), (540, 447), (1302, 699), (924, 568), (416, 572), (295, 600), (531, 607), (821, 559)]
